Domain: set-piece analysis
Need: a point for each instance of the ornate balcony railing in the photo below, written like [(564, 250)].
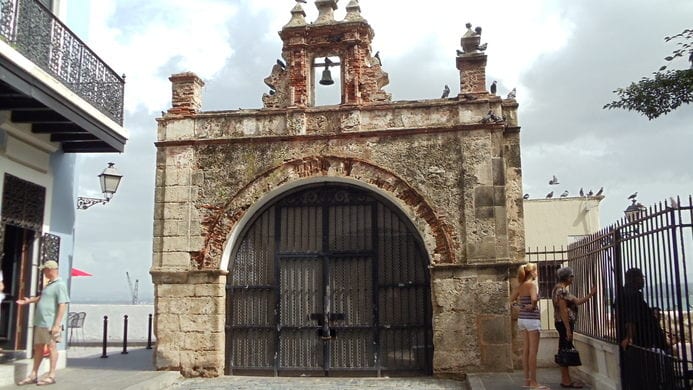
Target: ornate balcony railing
[(33, 30)]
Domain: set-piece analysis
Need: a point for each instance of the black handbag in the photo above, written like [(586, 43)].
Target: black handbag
[(568, 357)]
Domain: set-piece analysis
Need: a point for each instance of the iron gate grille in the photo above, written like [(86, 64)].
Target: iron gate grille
[(329, 280)]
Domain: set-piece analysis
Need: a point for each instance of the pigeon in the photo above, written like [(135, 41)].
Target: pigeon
[(549, 195), (512, 94), (482, 47), (493, 88), (377, 57), (633, 195), (525, 196), (601, 191), (446, 92), (673, 203), (477, 30), (281, 63), (328, 62), (582, 192), (553, 181), (564, 194), (491, 117), (590, 193)]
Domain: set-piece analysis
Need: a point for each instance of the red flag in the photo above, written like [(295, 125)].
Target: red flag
[(79, 272)]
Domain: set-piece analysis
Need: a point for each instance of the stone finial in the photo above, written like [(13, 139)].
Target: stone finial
[(354, 12), (186, 93), (298, 17), (471, 39), (325, 11)]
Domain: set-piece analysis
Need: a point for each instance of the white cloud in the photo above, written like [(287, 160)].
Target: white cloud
[(182, 34)]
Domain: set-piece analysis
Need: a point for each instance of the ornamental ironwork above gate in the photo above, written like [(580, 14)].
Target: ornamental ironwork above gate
[(23, 203)]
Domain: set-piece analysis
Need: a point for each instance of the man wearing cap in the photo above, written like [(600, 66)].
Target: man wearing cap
[(51, 307), (2, 289)]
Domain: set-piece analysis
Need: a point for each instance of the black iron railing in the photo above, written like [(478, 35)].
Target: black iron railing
[(548, 261), (31, 29), (655, 307)]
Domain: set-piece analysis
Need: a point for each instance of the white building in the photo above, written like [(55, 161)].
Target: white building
[(57, 99)]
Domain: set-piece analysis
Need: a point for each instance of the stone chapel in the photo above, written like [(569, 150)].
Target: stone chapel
[(371, 237)]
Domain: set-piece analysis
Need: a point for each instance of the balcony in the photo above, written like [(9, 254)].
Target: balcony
[(51, 81)]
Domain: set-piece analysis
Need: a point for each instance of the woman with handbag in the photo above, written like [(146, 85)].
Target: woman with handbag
[(565, 307), (526, 296)]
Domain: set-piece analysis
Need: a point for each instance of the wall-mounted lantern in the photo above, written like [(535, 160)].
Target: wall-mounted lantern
[(634, 211), (109, 179)]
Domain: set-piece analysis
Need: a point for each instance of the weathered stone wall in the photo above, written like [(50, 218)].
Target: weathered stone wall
[(189, 321), (452, 166), (453, 176)]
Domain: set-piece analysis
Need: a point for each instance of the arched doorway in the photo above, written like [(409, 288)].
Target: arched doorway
[(329, 279)]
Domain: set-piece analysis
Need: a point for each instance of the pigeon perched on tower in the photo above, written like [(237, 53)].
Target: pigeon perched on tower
[(377, 57), (493, 87), (446, 92)]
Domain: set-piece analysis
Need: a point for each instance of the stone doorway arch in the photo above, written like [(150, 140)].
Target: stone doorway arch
[(329, 279)]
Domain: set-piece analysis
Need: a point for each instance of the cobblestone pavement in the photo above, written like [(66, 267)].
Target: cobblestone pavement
[(134, 371), (243, 383)]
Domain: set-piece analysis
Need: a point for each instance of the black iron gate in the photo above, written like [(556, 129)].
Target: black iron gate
[(329, 280)]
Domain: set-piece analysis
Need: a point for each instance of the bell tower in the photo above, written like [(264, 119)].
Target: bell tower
[(312, 47)]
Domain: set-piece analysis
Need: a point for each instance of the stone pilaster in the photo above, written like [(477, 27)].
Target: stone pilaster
[(472, 69), (186, 94), (189, 322)]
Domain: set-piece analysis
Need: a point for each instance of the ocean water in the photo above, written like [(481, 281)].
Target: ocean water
[(138, 319)]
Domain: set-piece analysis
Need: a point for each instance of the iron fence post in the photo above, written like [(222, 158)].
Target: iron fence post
[(125, 335), (149, 332), (105, 337)]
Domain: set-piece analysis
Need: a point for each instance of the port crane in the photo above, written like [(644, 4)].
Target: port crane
[(133, 290)]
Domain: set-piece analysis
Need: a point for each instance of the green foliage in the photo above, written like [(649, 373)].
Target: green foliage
[(657, 96), (667, 90)]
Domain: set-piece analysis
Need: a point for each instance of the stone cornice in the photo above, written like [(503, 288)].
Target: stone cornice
[(315, 137)]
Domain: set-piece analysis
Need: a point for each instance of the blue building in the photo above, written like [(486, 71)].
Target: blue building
[(57, 99)]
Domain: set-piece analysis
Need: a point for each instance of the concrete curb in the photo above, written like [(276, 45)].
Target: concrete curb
[(164, 381), (474, 382)]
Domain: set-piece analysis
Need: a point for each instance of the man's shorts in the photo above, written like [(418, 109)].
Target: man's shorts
[(528, 325), (44, 336)]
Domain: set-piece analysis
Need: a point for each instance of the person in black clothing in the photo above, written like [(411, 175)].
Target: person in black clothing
[(645, 352)]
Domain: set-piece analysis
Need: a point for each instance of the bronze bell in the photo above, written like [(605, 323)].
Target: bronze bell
[(326, 77)]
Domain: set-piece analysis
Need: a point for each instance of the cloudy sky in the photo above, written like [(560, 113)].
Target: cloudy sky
[(564, 57)]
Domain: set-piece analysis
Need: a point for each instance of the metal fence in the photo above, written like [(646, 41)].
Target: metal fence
[(651, 312), (31, 29), (548, 261)]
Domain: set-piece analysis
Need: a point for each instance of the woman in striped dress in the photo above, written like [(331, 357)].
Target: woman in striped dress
[(526, 296)]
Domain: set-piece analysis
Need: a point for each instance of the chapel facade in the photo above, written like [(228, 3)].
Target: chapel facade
[(370, 237)]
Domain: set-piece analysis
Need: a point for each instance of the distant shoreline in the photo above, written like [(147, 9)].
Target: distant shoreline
[(114, 302)]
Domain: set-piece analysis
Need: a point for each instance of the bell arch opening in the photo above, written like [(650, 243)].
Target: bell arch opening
[(329, 279)]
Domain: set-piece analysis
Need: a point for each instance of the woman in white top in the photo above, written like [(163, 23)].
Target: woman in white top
[(527, 297)]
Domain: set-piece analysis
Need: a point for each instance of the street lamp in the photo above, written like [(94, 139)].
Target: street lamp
[(109, 179), (634, 211)]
